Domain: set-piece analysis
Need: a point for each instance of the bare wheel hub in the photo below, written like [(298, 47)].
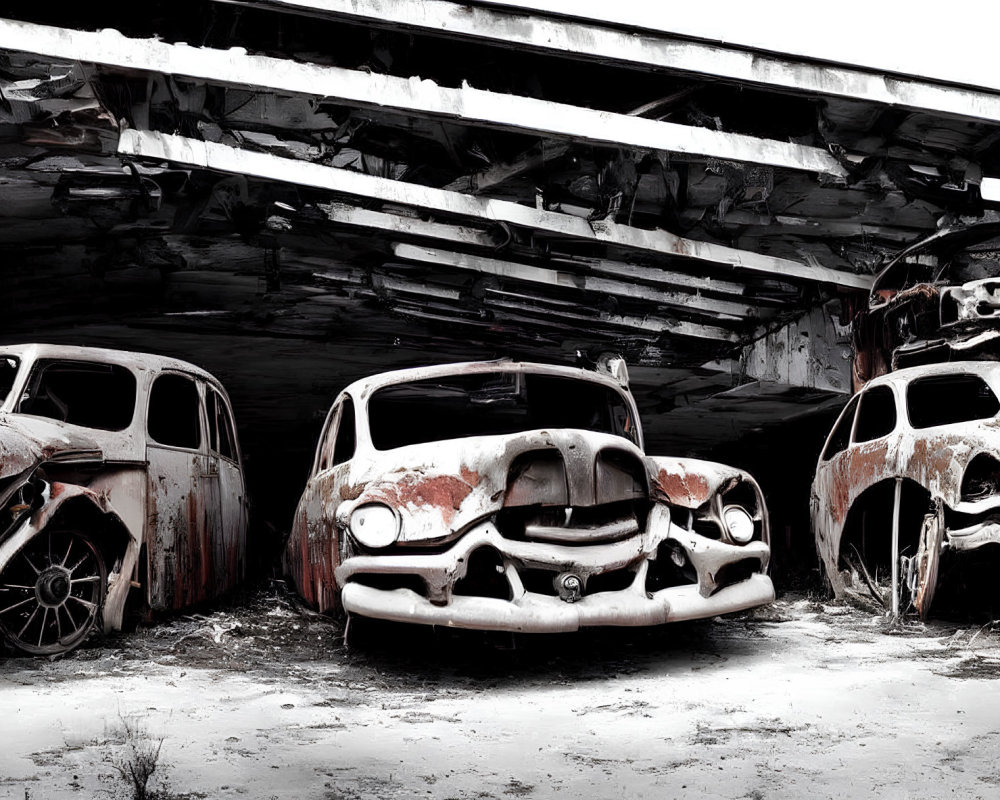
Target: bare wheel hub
[(52, 587)]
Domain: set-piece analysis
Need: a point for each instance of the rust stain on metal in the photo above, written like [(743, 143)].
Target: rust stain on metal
[(165, 514), (863, 466), (932, 455), (351, 492), (686, 488), (452, 521), (470, 476), (444, 492)]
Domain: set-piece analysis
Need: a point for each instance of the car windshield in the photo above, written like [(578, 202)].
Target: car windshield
[(8, 372), (461, 406), (83, 393)]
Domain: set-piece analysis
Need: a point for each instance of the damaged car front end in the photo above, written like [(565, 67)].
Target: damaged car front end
[(121, 492), (517, 497)]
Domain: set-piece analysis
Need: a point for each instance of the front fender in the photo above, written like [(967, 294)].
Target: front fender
[(56, 496)]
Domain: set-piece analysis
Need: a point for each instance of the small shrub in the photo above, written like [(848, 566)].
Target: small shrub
[(135, 759)]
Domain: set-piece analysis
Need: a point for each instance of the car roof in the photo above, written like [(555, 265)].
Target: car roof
[(908, 374), (125, 358), (366, 386)]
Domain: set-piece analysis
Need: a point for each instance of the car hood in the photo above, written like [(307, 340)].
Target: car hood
[(441, 488), (690, 482), (28, 441)]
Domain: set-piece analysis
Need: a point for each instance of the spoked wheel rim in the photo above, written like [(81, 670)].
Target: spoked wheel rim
[(51, 592)]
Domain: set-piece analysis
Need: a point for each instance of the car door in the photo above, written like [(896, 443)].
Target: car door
[(182, 509), (313, 551), (229, 491)]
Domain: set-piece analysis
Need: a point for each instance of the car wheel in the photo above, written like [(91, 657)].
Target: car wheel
[(51, 592)]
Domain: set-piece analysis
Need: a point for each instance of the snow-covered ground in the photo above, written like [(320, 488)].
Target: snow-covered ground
[(263, 701)]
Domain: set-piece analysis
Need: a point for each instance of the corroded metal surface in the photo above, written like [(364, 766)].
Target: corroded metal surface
[(534, 530), (168, 523), (935, 458)]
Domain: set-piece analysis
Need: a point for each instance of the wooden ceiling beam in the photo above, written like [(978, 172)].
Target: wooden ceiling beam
[(223, 158), (722, 310), (346, 214), (412, 96), (648, 50)]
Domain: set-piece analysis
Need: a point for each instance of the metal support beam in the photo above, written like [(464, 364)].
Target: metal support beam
[(897, 499), (344, 214), (723, 310), (410, 96), (648, 50), (211, 155)]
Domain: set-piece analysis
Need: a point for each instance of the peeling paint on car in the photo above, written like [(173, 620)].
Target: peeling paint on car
[(533, 529), (152, 525), (936, 458)]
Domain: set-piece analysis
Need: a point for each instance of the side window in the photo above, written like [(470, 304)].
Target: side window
[(877, 415), (85, 393), (221, 433), (343, 448), (174, 408), (841, 435)]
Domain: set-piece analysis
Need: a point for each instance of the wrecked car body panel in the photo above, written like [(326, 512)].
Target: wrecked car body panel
[(937, 300), (512, 510), (934, 429), (93, 526)]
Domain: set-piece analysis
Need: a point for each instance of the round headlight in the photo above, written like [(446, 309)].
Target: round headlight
[(374, 525), (739, 523)]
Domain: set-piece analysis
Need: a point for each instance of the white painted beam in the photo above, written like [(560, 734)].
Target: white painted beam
[(585, 40), (651, 324), (344, 214), (660, 277), (211, 155), (410, 96), (946, 48), (694, 303)]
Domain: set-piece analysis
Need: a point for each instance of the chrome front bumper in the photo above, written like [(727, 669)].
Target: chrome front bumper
[(536, 613), (533, 612)]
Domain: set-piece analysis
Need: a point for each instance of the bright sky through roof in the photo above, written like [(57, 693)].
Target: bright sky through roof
[(958, 45)]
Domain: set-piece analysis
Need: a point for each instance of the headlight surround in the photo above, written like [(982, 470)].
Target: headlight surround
[(374, 525), (739, 524)]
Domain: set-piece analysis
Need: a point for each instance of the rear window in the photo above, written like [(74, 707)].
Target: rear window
[(461, 406), (947, 399), (83, 393)]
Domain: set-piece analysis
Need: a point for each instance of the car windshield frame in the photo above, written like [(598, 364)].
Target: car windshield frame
[(6, 360), (520, 401)]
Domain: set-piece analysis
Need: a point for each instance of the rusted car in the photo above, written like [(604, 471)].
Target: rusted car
[(937, 300), (913, 457), (514, 496), (121, 490)]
